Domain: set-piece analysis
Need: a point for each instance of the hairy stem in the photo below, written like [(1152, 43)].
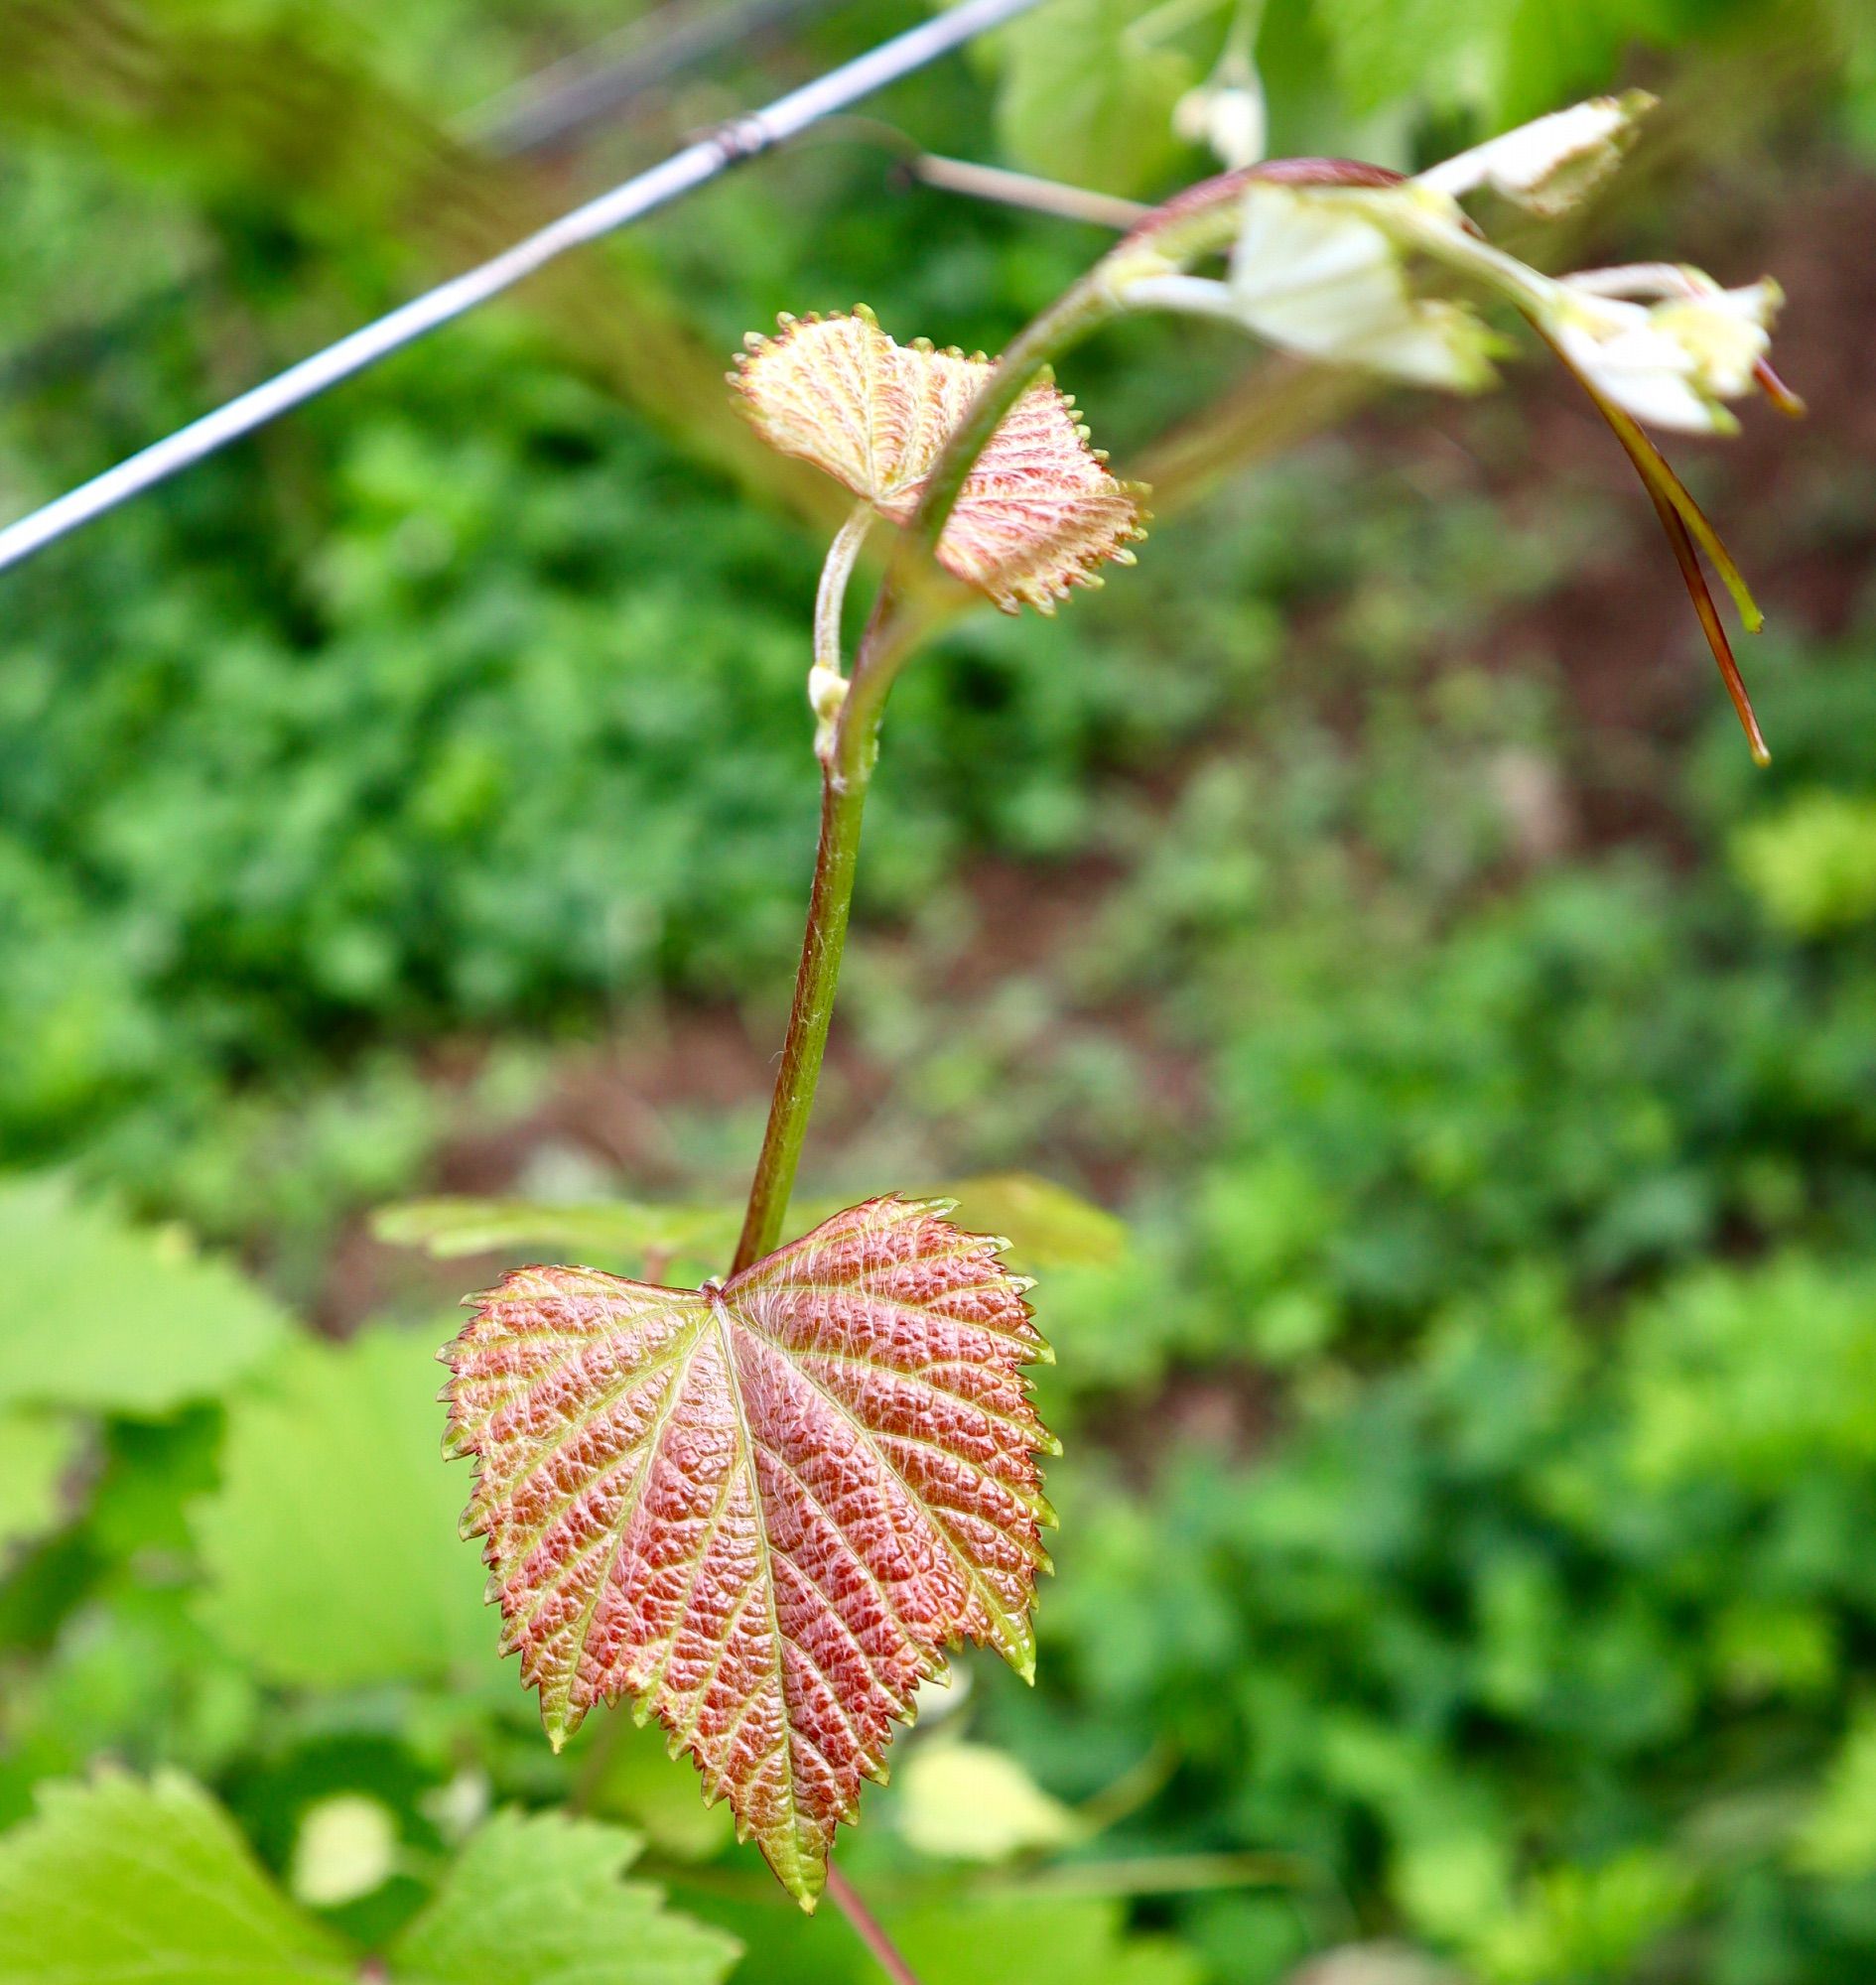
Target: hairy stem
[(847, 763), (867, 1928), (850, 741), (843, 802), (1191, 227)]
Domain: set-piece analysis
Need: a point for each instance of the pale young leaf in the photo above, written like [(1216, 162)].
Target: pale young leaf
[(965, 1801), (104, 1315), (1038, 514), (761, 1510)]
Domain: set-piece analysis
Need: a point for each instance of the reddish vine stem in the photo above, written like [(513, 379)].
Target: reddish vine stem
[(848, 756), (868, 1928)]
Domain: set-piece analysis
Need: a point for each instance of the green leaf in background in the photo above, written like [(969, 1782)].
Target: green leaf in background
[(1045, 1224), (1380, 47), (1505, 59), (1812, 863), (1550, 51), (35, 1452), (964, 1940), (1838, 1836), (638, 1783), (331, 1548), (104, 1315), (118, 1881), (537, 1901), (1054, 1942), (609, 1228), (1756, 1378), (1088, 97)]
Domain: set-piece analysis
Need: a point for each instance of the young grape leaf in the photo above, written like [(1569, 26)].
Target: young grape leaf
[(104, 1315), (760, 1509), (120, 1882), (325, 1546), (1037, 515), (536, 1900)]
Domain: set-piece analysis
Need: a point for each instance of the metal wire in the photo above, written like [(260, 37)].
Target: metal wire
[(742, 138), (547, 110)]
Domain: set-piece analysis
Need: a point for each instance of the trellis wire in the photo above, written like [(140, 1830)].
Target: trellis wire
[(742, 138)]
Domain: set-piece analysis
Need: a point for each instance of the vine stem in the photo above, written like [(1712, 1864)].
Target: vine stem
[(849, 753), (868, 1928), (846, 743), (843, 803)]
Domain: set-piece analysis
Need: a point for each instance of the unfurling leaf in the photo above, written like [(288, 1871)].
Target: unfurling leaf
[(1037, 515), (761, 1509)]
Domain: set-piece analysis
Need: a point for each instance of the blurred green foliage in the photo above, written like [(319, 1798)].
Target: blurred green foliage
[(1472, 1457)]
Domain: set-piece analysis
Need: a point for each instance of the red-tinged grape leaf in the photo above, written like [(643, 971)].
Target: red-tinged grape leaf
[(1038, 514), (761, 1510)]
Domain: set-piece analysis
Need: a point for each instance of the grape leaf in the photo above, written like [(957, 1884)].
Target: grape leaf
[(445, 1228), (35, 1453), (1037, 515), (760, 1509), (1086, 98), (120, 1881), (537, 1901), (103, 1315), (1383, 48), (327, 1545), (1040, 1940), (1045, 1224)]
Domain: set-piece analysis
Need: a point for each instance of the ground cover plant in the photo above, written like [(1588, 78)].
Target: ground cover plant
[(1311, 1698)]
